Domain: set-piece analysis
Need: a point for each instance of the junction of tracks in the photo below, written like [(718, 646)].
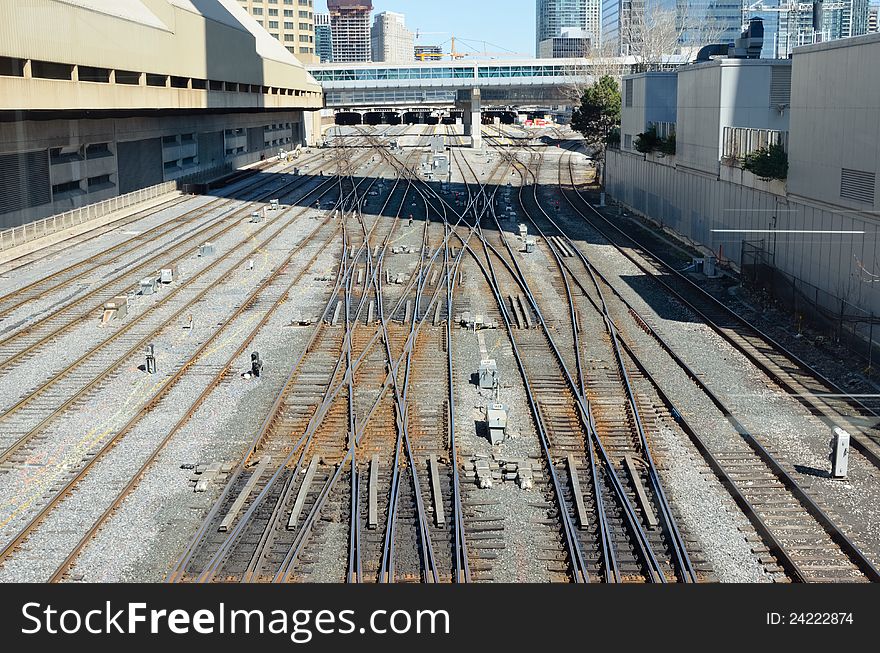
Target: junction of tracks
[(488, 378)]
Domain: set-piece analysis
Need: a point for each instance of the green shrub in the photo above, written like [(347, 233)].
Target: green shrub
[(767, 163)]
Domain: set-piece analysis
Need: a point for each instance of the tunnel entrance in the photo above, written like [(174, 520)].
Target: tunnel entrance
[(348, 118)]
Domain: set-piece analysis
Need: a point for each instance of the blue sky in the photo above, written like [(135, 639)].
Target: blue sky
[(504, 24)]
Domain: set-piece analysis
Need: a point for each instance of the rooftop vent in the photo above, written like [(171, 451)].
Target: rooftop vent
[(747, 46)]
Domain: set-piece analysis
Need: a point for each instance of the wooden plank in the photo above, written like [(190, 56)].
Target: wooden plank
[(302, 493), (642, 496), (583, 522), (245, 493), (373, 494), (527, 312), (439, 513)]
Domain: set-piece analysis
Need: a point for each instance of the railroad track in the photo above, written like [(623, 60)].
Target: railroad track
[(860, 416), (260, 304), (55, 283), (798, 532)]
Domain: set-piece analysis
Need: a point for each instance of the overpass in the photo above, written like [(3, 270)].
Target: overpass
[(466, 85)]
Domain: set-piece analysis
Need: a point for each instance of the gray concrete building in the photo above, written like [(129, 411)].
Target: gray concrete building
[(391, 41), (648, 100), (554, 16), (818, 228), (193, 93)]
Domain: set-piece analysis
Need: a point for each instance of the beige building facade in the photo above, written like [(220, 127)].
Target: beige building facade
[(292, 22), (119, 96)]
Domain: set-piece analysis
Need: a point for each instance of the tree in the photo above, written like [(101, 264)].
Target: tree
[(598, 113)]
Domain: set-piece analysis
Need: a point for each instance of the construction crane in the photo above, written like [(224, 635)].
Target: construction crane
[(455, 55)]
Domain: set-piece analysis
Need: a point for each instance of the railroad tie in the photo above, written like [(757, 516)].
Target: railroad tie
[(302, 493), (360, 276), (439, 513), (370, 311), (642, 496), (436, 320), (408, 315), (515, 311), (583, 523), (373, 494), (527, 313), (336, 314), (245, 493)]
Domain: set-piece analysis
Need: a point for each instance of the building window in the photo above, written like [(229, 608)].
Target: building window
[(98, 150), (273, 12), (628, 85), (70, 187), (99, 182)]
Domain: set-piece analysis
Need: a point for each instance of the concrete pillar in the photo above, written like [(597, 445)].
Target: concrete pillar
[(469, 103)]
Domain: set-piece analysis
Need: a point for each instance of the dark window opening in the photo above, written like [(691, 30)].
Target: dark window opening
[(156, 80), (216, 86), (128, 77), (199, 84), (10, 67), (98, 150), (65, 154), (50, 70), (179, 82), (69, 187), (90, 74), (101, 181)]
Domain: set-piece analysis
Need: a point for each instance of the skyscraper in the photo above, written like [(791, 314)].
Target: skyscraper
[(648, 28), (350, 24), (552, 16), (391, 41), (292, 23), (323, 38), (793, 26), (872, 19)]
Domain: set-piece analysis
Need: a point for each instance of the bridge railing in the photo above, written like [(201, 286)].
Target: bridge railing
[(31, 231)]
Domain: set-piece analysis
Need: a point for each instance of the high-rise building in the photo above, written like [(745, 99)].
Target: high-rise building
[(350, 25), (651, 27), (873, 19), (391, 41), (323, 38), (789, 25), (290, 21), (552, 16), (428, 52), (574, 42)]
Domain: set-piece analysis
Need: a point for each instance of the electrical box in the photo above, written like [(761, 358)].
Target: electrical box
[(274, 205), (148, 285), (488, 373), (207, 249), (496, 420), (839, 453), (166, 275), (256, 217), (523, 231), (118, 306), (530, 245), (710, 267)]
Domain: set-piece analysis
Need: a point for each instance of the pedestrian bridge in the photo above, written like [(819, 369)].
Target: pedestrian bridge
[(437, 84)]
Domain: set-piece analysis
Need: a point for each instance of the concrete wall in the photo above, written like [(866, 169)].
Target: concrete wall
[(695, 205), (835, 118), (185, 147)]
